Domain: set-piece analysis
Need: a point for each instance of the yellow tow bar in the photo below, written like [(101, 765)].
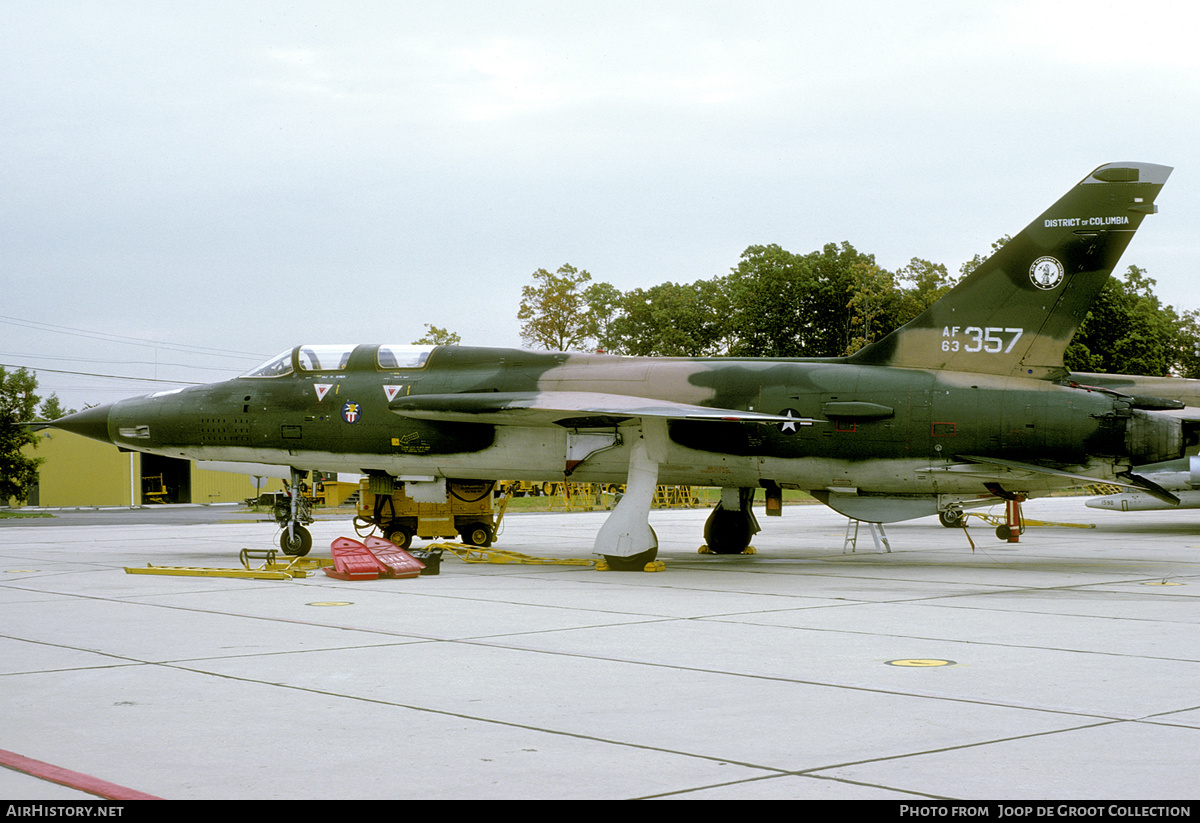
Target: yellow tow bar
[(271, 568), (478, 554), (997, 520)]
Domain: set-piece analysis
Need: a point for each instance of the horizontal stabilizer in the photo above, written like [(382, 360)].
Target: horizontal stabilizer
[(1034, 468), (1151, 488), (1132, 480)]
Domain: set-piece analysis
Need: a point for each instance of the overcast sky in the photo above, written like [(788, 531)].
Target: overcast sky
[(209, 183)]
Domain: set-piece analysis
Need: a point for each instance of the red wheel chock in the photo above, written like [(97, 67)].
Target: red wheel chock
[(370, 559)]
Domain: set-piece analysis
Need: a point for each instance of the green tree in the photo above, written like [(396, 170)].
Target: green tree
[(603, 302), (839, 269), (874, 305), (1186, 359), (927, 283), (17, 404), (768, 292), (51, 409), (1127, 331), (789, 305), (554, 311), (671, 320), (438, 337), (972, 264)]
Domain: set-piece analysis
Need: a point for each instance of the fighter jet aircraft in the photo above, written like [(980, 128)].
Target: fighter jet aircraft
[(970, 399)]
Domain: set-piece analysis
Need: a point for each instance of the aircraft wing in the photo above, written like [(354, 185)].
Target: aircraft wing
[(566, 408)]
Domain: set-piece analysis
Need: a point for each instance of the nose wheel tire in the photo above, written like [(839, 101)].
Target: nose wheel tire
[(298, 544)]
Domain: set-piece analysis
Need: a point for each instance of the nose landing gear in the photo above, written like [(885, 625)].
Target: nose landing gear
[(293, 515)]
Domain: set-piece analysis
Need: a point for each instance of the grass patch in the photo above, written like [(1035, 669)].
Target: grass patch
[(21, 515)]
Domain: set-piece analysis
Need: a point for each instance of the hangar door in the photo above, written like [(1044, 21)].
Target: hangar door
[(166, 479)]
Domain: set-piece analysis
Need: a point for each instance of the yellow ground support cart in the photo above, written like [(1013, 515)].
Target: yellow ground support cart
[(466, 511)]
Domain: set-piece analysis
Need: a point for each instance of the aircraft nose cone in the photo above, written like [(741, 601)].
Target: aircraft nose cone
[(91, 423)]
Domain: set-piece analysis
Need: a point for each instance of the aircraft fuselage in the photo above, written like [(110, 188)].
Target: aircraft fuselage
[(879, 428)]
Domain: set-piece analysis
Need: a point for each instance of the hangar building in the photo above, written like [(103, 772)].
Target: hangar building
[(79, 471)]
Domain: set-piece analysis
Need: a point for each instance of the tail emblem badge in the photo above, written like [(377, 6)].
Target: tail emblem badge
[(1046, 273)]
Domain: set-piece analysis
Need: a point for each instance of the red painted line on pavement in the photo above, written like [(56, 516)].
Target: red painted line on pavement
[(74, 780)]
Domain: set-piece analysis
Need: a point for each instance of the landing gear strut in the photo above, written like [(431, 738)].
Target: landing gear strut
[(1014, 523), (292, 516), (626, 541), (732, 523)]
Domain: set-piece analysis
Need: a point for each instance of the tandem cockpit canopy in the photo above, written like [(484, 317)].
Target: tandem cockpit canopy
[(277, 366), (334, 357)]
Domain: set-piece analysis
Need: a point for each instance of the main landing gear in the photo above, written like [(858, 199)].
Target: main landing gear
[(626, 541), (732, 523), (1014, 522)]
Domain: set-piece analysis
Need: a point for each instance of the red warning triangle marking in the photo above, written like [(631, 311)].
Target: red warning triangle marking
[(391, 392), (322, 390)]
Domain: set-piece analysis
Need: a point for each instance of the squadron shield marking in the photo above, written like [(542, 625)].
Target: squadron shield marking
[(1046, 273)]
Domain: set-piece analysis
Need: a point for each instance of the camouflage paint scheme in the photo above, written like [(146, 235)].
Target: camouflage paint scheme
[(970, 393)]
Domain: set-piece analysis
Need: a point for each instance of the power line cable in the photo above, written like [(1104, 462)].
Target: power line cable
[(134, 341), (110, 362), (107, 376)]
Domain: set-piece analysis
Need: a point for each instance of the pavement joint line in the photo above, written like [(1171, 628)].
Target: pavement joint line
[(1072, 632), (775, 771), (962, 746), (827, 778), (910, 693), (490, 721), (492, 641)]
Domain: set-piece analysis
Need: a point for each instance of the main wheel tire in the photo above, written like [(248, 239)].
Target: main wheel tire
[(951, 518), (635, 563), (727, 532)]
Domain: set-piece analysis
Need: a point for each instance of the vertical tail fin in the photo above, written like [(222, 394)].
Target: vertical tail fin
[(1016, 313)]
